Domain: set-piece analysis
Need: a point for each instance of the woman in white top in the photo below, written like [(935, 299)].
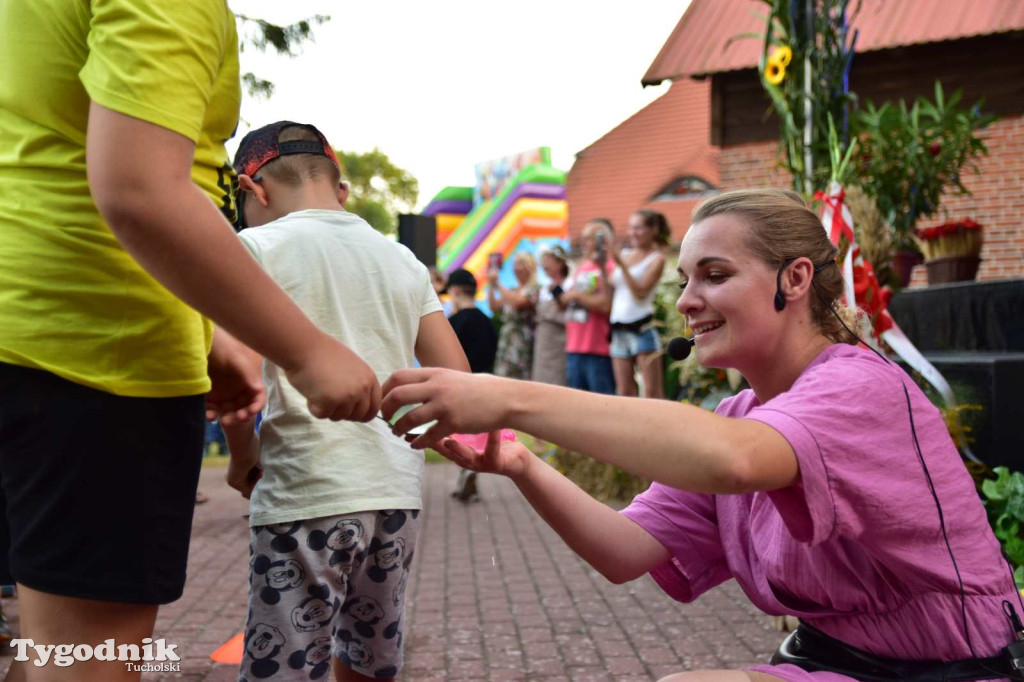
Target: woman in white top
[(635, 339)]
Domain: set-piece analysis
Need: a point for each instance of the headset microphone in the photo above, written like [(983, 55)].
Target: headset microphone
[(679, 348)]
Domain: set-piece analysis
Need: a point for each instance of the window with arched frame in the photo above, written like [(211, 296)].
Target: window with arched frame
[(684, 187)]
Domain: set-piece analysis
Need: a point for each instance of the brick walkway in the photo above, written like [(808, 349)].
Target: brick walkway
[(494, 595)]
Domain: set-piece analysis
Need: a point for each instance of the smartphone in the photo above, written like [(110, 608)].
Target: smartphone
[(416, 431), (599, 238), (494, 261), (557, 291)]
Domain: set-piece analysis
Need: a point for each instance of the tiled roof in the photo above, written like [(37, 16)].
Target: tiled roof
[(698, 44), (621, 172)]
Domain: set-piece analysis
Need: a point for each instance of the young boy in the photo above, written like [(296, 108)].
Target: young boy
[(474, 329), (335, 514)]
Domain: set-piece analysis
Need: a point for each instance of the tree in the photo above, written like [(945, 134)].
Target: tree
[(379, 190), (261, 34)]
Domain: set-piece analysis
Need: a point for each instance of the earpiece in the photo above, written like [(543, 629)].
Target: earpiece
[(780, 300)]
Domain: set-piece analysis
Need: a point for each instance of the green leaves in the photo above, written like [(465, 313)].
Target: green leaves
[(821, 40), (285, 40), (1004, 502), (910, 155), (379, 190)]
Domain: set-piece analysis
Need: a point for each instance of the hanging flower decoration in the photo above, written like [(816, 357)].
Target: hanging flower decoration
[(774, 71), (783, 55), (872, 298)]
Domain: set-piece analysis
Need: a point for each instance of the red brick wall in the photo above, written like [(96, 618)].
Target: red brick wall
[(997, 200)]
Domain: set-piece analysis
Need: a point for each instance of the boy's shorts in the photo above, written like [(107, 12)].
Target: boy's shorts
[(100, 488), (331, 585), (628, 344)]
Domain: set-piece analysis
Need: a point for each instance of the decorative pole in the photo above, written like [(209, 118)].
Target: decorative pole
[(809, 44)]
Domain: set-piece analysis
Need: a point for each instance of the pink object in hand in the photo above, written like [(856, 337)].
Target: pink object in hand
[(478, 441)]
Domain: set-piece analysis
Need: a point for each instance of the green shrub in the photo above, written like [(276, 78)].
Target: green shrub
[(1004, 502)]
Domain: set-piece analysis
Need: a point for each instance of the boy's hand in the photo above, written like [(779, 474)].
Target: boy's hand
[(509, 458), (460, 402), (237, 393), (243, 473), (336, 382)]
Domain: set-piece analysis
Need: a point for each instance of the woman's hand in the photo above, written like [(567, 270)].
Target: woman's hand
[(459, 402), (492, 275), (616, 253), (510, 458)]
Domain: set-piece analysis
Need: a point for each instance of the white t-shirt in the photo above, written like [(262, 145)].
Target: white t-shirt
[(369, 293), (625, 306)]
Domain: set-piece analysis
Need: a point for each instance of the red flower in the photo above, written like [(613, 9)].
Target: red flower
[(871, 298), (935, 148)]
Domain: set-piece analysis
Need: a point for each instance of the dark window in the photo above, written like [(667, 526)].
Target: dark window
[(684, 187)]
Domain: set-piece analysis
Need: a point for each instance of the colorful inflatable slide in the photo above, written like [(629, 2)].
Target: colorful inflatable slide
[(522, 211)]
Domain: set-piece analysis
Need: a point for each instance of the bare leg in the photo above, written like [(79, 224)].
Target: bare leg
[(625, 382), (52, 619), (654, 377)]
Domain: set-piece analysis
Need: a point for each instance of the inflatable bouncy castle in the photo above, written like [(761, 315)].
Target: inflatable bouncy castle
[(518, 205)]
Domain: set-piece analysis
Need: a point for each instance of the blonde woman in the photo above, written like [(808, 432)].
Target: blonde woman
[(517, 308)]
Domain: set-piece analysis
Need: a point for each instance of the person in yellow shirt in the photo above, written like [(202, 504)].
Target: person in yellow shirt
[(113, 254)]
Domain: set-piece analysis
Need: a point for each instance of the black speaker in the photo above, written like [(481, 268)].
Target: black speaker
[(419, 234)]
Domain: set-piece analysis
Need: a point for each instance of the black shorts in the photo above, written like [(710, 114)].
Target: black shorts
[(100, 489)]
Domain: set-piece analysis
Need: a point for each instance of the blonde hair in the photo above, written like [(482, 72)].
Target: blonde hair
[(527, 259), (782, 227)]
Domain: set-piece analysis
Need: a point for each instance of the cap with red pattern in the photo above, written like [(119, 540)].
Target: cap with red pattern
[(261, 146)]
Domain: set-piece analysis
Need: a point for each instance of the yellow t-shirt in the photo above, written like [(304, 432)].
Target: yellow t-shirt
[(72, 301)]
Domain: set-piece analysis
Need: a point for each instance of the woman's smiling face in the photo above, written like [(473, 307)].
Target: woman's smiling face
[(727, 294)]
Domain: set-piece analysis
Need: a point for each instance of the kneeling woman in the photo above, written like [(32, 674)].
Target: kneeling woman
[(818, 489)]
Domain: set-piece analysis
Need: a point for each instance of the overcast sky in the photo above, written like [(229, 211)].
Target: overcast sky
[(441, 85)]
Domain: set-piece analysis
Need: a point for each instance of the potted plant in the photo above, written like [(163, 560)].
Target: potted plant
[(951, 250), (911, 156)]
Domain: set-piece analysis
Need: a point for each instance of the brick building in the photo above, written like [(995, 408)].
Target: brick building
[(712, 123)]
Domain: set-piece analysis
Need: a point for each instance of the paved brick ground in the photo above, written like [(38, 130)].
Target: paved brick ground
[(494, 595)]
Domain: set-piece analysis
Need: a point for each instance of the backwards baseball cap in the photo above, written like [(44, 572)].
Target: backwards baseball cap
[(261, 146), (461, 278)]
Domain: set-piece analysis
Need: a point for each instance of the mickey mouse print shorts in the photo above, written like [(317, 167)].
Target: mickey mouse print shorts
[(328, 586)]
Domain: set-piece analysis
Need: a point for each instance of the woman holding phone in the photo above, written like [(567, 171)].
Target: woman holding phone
[(635, 342), (517, 308), (549, 340)]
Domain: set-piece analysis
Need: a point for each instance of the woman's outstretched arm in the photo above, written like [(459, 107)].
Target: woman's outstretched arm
[(614, 545), (679, 445)]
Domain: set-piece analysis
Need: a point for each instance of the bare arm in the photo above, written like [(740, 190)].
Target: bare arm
[(652, 275), (614, 545), (679, 445), (493, 300), (597, 301), (608, 541), (140, 179), (515, 299), (244, 465), (438, 346)]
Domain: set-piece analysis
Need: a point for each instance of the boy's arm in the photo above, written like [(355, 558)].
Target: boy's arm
[(140, 179), (437, 345), (244, 464)]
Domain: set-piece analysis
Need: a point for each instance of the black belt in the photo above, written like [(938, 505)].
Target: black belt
[(635, 326), (814, 651)]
